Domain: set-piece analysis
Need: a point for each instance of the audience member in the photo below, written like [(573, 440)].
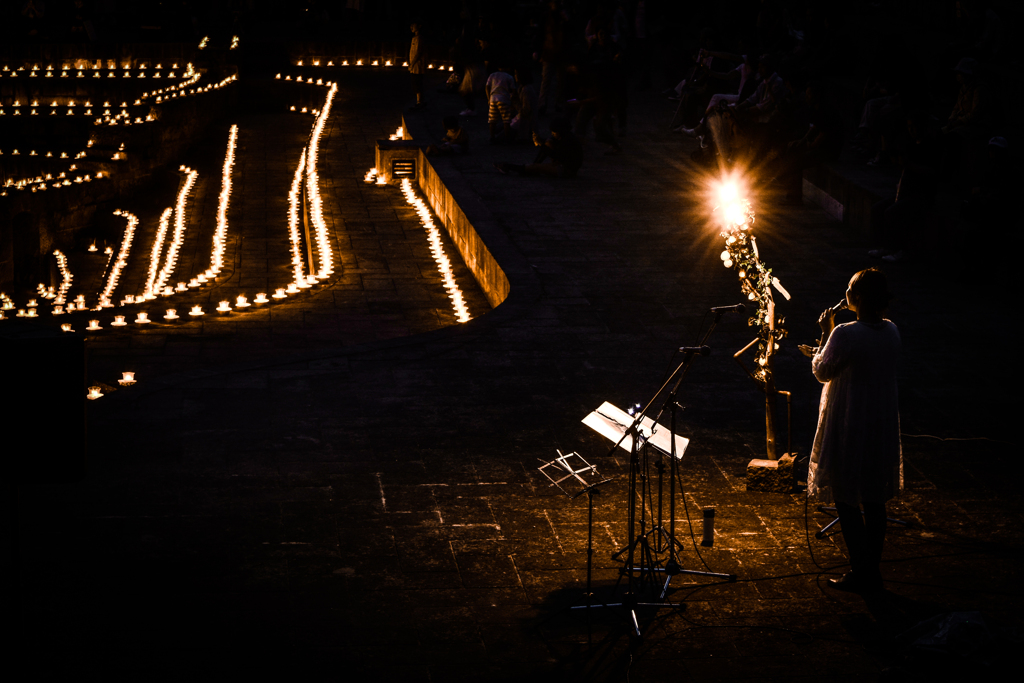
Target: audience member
[(417, 64), (562, 151), (821, 143), (499, 89), (525, 121), (553, 58), (455, 140), (898, 223)]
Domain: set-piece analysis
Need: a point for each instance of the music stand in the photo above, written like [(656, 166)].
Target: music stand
[(574, 476)]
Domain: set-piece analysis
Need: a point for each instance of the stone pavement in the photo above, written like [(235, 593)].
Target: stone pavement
[(358, 502)]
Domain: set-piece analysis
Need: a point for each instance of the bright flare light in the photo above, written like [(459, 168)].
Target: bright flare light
[(437, 250)]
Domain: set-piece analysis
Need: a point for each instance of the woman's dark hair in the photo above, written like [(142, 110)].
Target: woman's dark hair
[(872, 288)]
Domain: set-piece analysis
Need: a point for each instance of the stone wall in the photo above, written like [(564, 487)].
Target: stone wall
[(469, 223)]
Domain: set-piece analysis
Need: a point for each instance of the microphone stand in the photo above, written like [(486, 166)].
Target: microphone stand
[(633, 539)]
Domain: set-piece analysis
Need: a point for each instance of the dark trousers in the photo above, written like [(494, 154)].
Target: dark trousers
[(864, 536)]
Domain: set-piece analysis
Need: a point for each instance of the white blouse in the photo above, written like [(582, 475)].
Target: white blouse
[(857, 455)]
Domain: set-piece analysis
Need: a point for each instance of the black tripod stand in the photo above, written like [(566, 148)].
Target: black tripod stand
[(643, 547), (567, 471)]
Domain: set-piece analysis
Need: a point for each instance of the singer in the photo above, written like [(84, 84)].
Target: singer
[(856, 459)]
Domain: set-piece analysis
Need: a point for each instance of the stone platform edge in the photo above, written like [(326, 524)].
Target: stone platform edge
[(500, 269)]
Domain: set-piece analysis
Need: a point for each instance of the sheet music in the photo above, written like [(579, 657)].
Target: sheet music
[(611, 423)]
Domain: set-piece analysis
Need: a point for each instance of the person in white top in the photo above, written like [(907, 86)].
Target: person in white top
[(857, 458)]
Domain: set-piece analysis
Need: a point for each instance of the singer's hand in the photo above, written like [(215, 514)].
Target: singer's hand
[(808, 351), (827, 321)]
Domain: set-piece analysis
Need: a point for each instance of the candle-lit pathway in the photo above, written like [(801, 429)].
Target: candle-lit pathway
[(386, 283)]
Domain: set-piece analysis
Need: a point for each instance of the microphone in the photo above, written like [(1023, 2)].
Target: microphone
[(702, 350), (737, 308), (841, 306)]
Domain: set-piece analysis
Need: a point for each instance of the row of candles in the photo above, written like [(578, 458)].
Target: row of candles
[(373, 62), (121, 260), (437, 251), (83, 65), (48, 155), (178, 236), (221, 233), (316, 216), (294, 207), (80, 73), (142, 317)]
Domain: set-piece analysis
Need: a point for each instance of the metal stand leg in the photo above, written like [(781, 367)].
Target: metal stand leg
[(830, 509)]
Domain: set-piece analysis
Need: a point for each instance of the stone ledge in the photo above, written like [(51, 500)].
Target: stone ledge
[(485, 248)]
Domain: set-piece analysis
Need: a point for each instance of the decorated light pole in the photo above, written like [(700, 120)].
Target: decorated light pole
[(756, 281)]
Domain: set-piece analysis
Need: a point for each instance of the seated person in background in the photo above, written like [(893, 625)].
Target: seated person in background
[(498, 89), (970, 113), (741, 79), (821, 143), (455, 141), (899, 223), (562, 150), (525, 120)]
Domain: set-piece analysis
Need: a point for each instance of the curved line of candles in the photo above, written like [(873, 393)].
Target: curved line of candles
[(323, 238), (171, 260), (122, 257), (220, 235), (437, 251), (294, 206), (65, 274), (157, 252)]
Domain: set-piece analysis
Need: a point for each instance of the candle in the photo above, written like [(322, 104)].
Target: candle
[(225, 307), (58, 310), (292, 288), (127, 379), (92, 247), (261, 298), (94, 325), (66, 327), (142, 318), (182, 286), (94, 393), (279, 294), (119, 321), (196, 310), (241, 302), (193, 282), (31, 303), (171, 314)]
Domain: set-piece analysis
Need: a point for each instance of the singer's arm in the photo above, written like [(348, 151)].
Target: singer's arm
[(827, 323)]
